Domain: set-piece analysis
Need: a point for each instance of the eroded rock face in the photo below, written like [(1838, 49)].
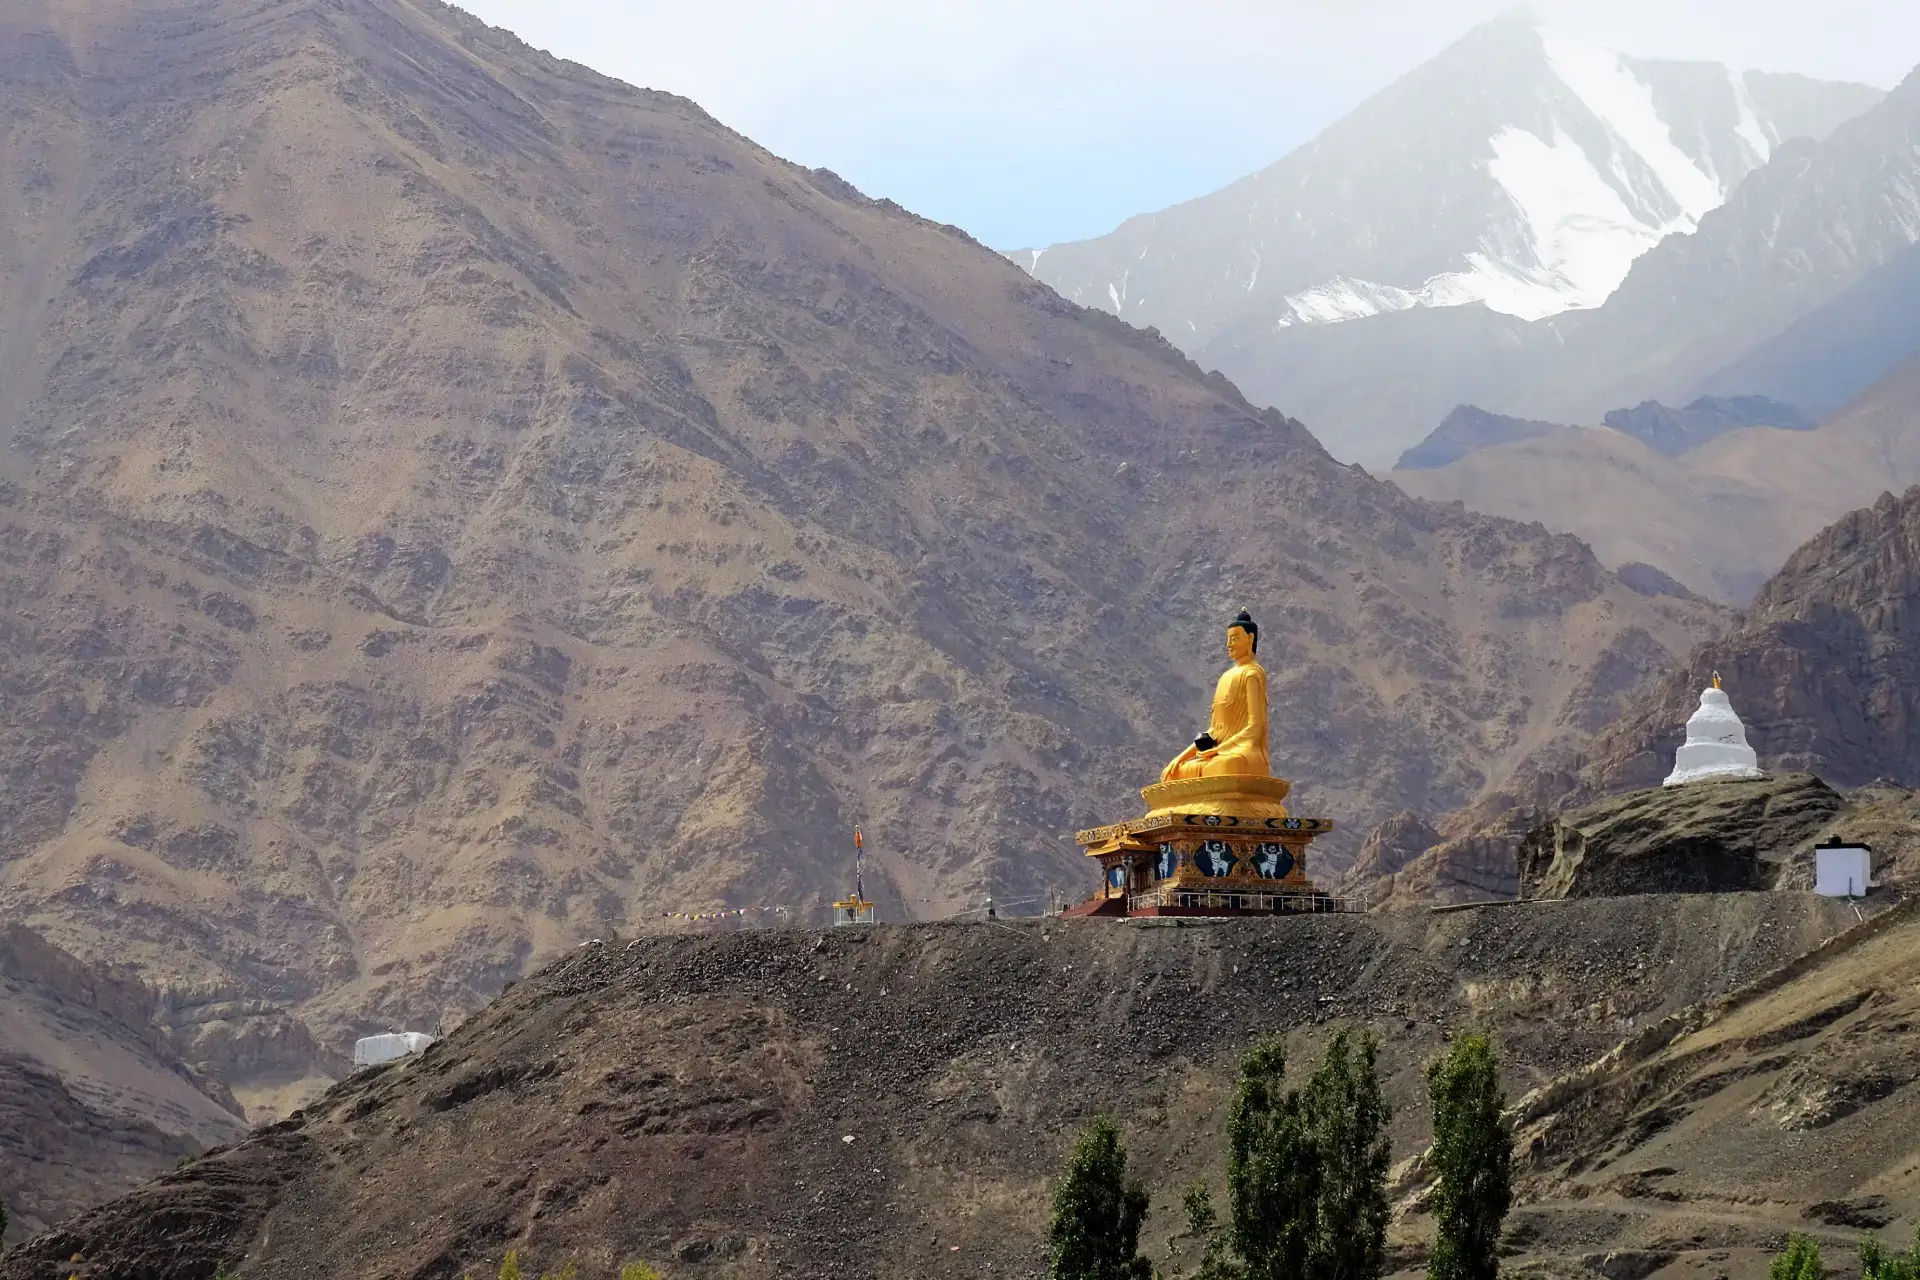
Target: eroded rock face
[(1480, 867), (1405, 863), (1720, 836), (1385, 852)]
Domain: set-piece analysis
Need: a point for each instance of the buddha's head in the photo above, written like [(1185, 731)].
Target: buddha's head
[(1243, 637)]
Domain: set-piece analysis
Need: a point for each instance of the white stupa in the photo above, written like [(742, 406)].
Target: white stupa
[(1716, 745)]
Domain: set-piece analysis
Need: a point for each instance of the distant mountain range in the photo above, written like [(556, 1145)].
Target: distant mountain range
[(1719, 514), (1413, 256), (1665, 430)]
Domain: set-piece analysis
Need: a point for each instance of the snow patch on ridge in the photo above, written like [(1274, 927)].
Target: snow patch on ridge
[(1625, 106), (1748, 129), (1582, 235), (1344, 298), (1580, 218)]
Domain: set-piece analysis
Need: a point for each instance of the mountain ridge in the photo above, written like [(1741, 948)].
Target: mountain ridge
[(485, 508)]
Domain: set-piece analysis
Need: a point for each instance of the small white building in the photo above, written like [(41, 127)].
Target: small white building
[(371, 1051), (1842, 870)]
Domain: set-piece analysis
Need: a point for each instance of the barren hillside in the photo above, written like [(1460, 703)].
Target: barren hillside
[(785, 1103), (1702, 1141)]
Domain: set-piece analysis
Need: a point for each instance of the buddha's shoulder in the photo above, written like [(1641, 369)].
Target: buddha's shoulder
[(1245, 673)]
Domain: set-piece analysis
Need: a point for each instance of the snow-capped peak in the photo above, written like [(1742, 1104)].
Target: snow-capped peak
[(1519, 168), (1580, 214)]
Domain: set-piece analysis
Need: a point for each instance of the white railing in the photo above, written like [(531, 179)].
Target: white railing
[(1165, 896)]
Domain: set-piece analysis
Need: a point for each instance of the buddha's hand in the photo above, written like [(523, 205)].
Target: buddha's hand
[(1173, 766)]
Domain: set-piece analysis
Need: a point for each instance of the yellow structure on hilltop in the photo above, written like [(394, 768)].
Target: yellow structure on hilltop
[(857, 909), (1217, 838)]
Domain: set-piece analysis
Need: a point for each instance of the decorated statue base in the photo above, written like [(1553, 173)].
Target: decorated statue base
[(1207, 847)]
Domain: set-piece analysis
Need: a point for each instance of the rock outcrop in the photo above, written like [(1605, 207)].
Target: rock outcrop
[(1384, 853), (1722, 836), (1405, 863), (1478, 867)]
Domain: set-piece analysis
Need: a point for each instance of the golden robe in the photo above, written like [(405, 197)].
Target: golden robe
[(1238, 728)]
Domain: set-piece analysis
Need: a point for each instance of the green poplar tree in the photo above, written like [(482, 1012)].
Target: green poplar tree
[(1306, 1170), (1273, 1169), (1473, 1156), (1349, 1116), (1097, 1212)]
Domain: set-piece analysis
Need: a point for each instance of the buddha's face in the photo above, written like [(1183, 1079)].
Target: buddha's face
[(1239, 644)]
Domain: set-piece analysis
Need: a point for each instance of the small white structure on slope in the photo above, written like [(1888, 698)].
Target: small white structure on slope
[(1716, 745), (371, 1051), (1842, 870)]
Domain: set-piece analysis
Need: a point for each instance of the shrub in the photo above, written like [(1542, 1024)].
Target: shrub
[(1877, 1264), (1800, 1261), (510, 1269)]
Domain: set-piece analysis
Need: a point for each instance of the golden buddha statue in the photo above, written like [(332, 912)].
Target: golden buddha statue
[(1225, 771), (1216, 839), (1235, 743)]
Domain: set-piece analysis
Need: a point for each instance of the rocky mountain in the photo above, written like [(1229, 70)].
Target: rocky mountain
[(1822, 669), (1675, 431), (1517, 175), (94, 1097), (1711, 312), (461, 505), (1717, 530), (1720, 517), (1468, 429), (1819, 217), (779, 1103)]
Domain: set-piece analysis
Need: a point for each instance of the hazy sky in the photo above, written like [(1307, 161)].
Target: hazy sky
[(1029, 122)]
